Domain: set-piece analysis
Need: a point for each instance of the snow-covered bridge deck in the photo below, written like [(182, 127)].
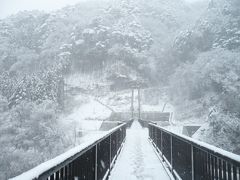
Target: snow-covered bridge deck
[(137, 161), (128, 154)]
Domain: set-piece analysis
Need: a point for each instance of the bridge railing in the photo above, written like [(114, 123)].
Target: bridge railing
[(129, 123), (190, 159), (143, 123), (90, 161)]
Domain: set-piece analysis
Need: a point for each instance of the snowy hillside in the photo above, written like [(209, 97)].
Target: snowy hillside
[(205, 85)]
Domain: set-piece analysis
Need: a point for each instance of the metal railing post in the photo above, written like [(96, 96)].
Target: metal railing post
[(132, 105), (139, 104), (171, 146), (192, 161), (110, 154), (161, 144), (96, 159)]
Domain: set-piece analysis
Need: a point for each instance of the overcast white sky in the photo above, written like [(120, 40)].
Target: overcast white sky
[(8, 7)]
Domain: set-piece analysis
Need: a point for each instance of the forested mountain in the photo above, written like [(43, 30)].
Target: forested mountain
[(207, 74), (78, 37), (123, 38)]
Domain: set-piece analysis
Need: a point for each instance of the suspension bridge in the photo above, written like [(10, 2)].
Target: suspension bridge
[(140, 148)]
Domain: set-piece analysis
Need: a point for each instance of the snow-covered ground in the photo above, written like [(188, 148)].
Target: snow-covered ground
[(158, 107), (88, 108), (121, 101), (84, 120), (86, 115), (86, 81), (137, 161)]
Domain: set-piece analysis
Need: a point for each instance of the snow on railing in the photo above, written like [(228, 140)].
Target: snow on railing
[(190, 159), (91, 160)]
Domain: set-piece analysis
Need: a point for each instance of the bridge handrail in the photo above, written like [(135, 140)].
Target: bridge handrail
[(144, 123), (206, 146), (48, 169), (199, 154)]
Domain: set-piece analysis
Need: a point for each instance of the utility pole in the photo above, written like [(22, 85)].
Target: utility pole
[(139, 104), (132, 106)]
